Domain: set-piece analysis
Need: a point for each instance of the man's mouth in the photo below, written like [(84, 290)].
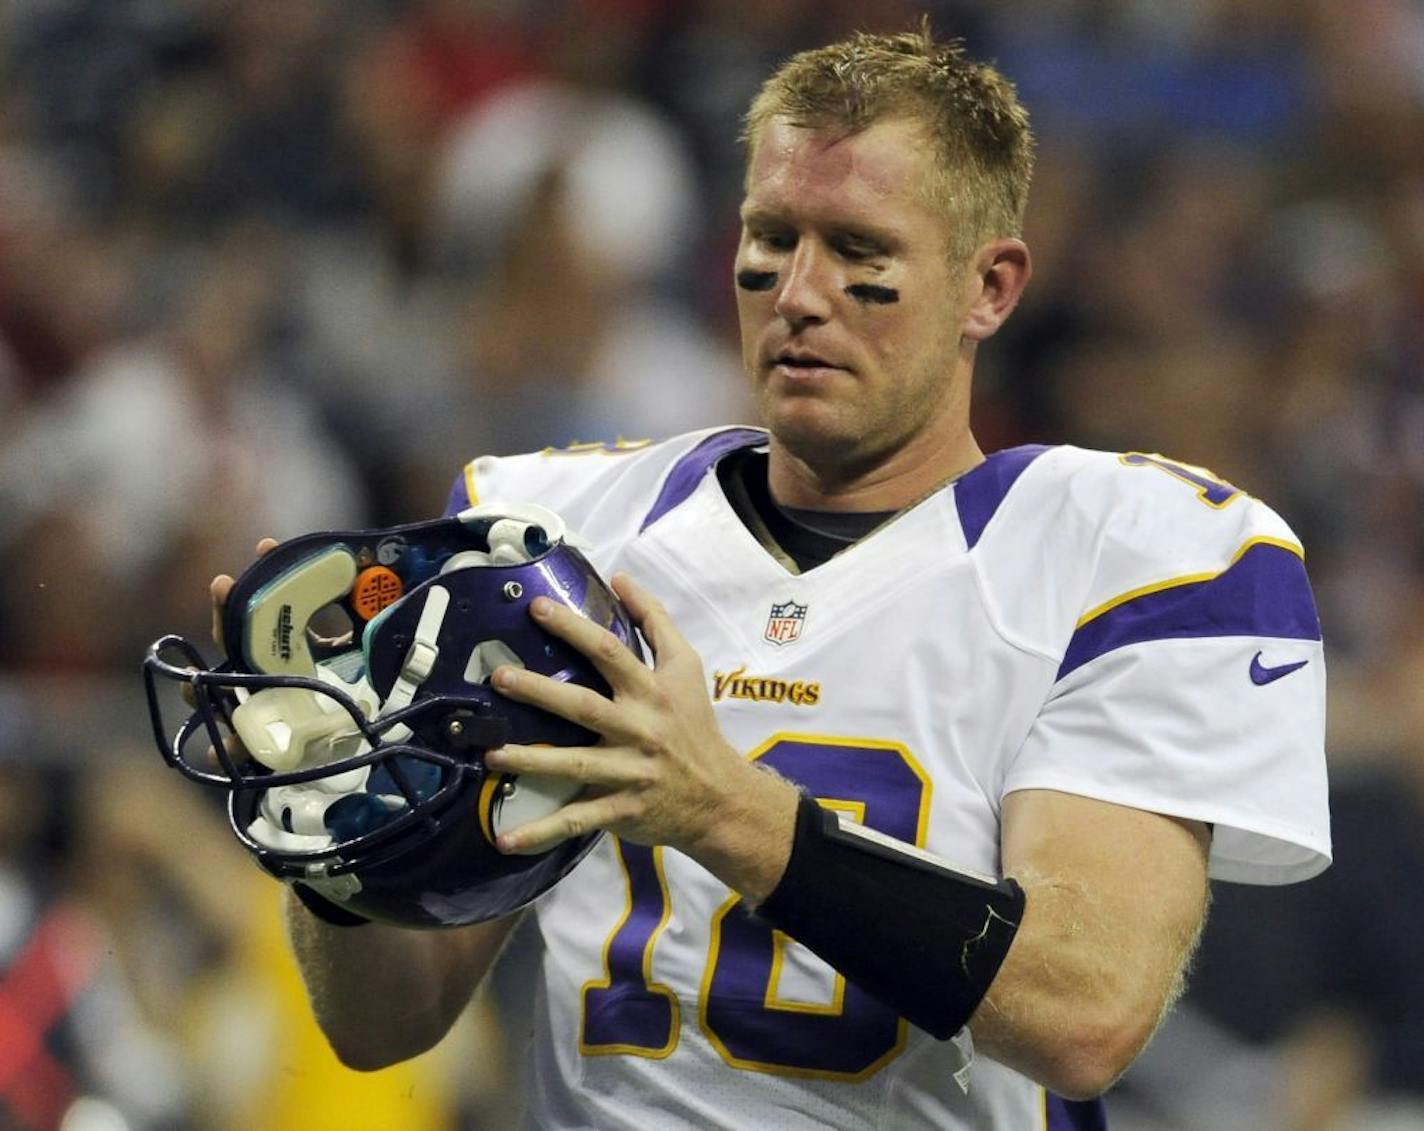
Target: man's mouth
[(802, 361)]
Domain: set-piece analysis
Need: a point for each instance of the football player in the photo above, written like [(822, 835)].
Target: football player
[(915, 801)]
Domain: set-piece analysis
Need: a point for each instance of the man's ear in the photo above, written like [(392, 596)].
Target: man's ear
[(1000, 270)]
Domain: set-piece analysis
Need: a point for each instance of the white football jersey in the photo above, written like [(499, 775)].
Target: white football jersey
[(1118, 626)]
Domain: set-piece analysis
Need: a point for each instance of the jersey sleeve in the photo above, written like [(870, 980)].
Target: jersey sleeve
[(1191, 675)]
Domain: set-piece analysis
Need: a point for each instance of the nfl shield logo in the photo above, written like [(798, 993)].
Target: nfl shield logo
[(784, 624)]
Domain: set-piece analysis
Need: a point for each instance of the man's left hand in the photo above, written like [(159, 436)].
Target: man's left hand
[(664, 772)]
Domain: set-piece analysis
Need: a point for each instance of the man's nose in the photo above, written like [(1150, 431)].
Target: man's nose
[(805, 289)]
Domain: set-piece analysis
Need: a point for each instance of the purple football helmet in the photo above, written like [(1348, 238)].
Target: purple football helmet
[(363, 776)]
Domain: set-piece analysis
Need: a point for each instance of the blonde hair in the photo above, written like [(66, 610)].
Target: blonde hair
[(968, 111)]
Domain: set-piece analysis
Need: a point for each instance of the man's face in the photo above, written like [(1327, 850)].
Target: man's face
[(850, 306)]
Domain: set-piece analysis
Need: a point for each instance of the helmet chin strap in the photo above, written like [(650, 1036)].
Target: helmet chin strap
[(419, 660)]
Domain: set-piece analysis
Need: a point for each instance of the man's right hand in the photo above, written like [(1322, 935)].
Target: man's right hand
[(352, 976), (218, 589), (221, 586)]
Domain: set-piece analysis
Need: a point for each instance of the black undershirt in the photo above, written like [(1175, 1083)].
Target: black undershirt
[(808, 537)]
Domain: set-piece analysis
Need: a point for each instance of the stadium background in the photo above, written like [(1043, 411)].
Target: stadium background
[(275, 265)]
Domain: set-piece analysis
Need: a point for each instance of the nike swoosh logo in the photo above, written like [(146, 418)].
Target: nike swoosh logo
[(1262, 675)]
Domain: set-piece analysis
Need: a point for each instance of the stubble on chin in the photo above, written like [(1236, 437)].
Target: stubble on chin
[(805, 425), (828, 443)]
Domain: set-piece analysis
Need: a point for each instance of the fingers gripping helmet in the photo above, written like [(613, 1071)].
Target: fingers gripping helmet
[(358, 767)]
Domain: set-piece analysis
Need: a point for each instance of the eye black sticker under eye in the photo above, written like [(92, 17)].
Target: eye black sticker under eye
[(756, 280), (870, 292)]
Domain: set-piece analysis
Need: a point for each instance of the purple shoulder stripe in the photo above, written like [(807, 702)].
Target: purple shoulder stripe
[(687, 473), (979, 493), (1075, 1115), (459, 497), (1266, 593)]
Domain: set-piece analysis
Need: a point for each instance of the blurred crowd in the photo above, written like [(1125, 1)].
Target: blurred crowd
[(272, 266)]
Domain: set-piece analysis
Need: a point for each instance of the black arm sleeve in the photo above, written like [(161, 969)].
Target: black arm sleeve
[(924, 938)]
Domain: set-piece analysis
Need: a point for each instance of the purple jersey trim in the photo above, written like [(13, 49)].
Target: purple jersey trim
[(1265, 593), (979, 493), (459, 499), (1075, 1115), (687, 473)]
